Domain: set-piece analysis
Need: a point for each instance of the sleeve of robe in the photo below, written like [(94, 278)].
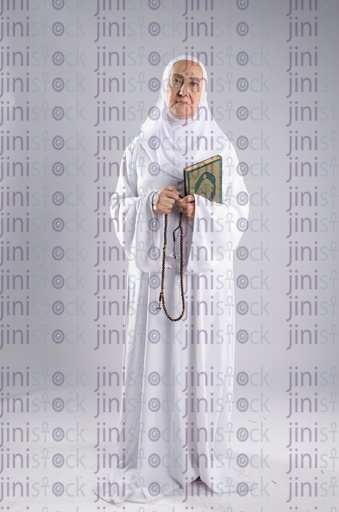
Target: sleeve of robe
[(218, 227), (138, 227)]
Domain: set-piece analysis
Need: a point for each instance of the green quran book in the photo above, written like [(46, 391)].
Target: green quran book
[(205, 179)]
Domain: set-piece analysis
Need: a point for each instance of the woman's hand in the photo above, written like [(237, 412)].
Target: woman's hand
[(166, 200), (186, 206)]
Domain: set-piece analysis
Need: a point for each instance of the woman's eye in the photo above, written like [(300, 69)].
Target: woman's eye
[(176, 81)]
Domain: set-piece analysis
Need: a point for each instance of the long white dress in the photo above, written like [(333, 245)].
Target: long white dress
[(178, 390)]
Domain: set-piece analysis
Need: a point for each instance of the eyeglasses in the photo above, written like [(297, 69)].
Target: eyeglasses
[(177, 81)]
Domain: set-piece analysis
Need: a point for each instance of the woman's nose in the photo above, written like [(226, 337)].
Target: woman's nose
[(183, 90)]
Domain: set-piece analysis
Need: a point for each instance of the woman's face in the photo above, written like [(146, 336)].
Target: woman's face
[(184, 89)]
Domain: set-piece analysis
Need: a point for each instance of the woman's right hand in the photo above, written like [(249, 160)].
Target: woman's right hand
[(167, 198)]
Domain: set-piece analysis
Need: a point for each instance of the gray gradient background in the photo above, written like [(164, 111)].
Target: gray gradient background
[(268, 34)]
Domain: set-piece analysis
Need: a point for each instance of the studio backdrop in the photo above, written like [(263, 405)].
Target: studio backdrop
[(77, 79)]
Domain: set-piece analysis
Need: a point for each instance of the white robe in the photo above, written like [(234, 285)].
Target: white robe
[(179, 375)]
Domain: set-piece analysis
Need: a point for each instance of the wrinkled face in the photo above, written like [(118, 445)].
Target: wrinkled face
[(184, 89)]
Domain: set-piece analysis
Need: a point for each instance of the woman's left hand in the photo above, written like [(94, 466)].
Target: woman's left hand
[(186, 206)]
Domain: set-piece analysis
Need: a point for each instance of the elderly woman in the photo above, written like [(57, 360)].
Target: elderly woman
[(177, 393)]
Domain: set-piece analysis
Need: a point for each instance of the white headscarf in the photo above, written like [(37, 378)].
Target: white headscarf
[(174, 143)]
